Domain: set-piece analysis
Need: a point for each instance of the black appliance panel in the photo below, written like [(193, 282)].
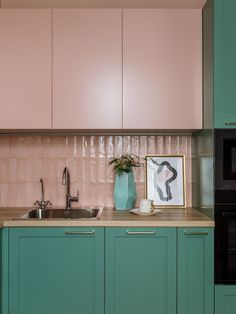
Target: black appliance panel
[(225, 245), (225, 166)]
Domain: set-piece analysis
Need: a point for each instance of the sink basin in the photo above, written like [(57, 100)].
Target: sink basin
[(60, 213)]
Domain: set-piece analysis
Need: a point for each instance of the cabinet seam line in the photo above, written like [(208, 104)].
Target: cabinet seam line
[(122, 68), (52, 83)]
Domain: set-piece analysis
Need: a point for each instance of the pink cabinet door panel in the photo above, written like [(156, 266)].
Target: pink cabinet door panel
[(162, 87), (25, 68), (87, 69)]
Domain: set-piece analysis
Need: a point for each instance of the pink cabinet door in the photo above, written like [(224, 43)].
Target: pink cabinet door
[(25, 68), (87, 69), (162, 69)]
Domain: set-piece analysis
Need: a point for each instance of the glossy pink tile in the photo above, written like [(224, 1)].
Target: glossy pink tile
[(13, 167), (51, 193), (49, 171), (143, 146), (4, 146), (4, 169), (21, 169), (47, 151), (33, 169), (32, 193), (17, 146), (15, 194), (4, 187), (102, 170), (151, 144), (33, 146)]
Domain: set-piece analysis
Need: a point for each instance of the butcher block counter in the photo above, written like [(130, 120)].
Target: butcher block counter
[(171, 217)]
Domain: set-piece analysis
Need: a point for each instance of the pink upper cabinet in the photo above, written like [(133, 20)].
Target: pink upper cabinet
[(162, 69), (25, 69), (87, 69)]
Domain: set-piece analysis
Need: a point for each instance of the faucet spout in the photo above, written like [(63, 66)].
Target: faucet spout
[(66, 181), (42, 203), (42, 189)]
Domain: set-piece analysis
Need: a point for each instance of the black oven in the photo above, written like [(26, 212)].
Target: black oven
[(225, 244), (225, 166), (225, 206)]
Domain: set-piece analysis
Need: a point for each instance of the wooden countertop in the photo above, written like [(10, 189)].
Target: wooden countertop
[(189, 217)]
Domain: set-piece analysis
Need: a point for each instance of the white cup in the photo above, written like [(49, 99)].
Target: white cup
[(145, 205)]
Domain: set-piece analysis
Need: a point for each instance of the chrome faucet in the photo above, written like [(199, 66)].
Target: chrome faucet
[(66, 181), (42, 204)]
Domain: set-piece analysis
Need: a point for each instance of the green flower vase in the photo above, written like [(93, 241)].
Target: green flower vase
[(124, 191)]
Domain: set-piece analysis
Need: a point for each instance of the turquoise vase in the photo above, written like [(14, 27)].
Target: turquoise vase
[(124, 191)]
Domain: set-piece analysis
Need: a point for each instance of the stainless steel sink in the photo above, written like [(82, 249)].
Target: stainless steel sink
[(60, 213)]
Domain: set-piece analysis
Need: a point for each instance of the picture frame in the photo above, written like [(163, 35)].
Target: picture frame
[(165, 181)]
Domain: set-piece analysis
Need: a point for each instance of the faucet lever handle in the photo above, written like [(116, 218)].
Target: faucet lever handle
[(42, 204), (74, 198)]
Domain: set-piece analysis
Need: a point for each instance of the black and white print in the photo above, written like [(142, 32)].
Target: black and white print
[(165, 182)]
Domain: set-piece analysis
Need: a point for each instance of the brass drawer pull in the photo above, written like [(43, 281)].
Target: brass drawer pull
[(80, 232), (140, 232), (187, 233)]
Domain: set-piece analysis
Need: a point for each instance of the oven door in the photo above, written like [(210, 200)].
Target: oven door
[(225, 246), (225, 166)]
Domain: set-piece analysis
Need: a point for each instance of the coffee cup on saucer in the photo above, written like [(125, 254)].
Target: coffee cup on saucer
[(146, 205)]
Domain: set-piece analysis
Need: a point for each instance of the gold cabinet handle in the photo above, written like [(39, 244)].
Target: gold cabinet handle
[(80, 232), (230, 123), (140, 232), (188, 233)]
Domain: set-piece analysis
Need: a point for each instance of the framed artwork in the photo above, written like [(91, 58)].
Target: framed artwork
[(165, 180)]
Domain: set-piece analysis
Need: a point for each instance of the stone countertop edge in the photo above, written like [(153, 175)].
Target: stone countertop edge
[(168, 217)]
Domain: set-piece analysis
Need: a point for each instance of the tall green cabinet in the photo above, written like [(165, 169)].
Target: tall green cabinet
[(225, 105), (56, 270), (140, 271), (224, 64)]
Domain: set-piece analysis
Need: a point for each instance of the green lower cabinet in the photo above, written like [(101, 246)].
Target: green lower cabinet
[(196, 271), (140, 272), (225, 299), (56, 271), (145, 270)]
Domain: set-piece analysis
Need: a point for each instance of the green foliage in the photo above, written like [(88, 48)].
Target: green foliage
[(125, 163)]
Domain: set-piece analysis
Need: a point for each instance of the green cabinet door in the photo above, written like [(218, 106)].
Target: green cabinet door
[(56, 270), (224, 63), (140, 271), (195, 271), (225, 299)]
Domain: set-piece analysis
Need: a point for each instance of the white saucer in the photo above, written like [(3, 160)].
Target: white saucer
[(136, 211)]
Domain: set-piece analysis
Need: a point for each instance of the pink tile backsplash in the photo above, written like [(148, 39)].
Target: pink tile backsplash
[(26, 159)]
